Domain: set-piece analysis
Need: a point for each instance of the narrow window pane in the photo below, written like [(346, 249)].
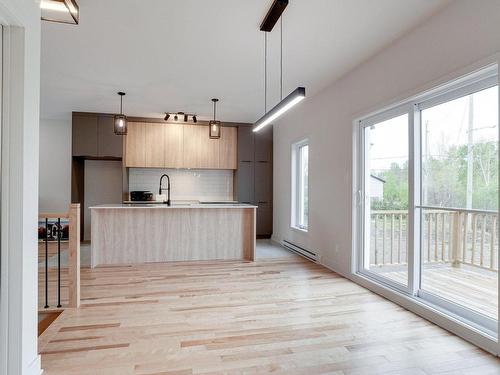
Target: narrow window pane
[(304, 185), (386, 199), (300, 189), (459, 246)]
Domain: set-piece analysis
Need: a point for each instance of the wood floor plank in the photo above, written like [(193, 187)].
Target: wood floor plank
[(285, 316)]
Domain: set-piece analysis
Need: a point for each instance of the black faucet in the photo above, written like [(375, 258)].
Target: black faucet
[(168, 188)]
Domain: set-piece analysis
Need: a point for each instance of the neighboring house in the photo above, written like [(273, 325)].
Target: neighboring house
[(376, 187)]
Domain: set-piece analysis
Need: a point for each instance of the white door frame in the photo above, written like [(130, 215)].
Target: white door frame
[(19, 187)]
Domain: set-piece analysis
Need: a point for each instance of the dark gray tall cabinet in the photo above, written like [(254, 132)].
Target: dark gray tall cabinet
[(93, 138), (254, 177)]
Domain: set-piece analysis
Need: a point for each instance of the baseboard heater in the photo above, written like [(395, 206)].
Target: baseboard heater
[(308, 254)]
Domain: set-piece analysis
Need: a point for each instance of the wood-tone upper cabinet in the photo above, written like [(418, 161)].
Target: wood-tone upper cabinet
[(157, 145), (84, 137), (154, 136), (211, 148), (191, 144), (108, 143), (173, 146), (228, 158), (135, 145)]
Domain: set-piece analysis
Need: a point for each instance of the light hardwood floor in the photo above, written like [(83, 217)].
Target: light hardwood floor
[(285, 316)]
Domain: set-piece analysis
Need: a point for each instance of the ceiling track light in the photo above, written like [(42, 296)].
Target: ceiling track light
[(214, 125), (295, 96), (185, 116), (120, 121)]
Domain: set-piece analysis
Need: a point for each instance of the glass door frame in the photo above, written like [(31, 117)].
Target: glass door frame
[(364, 198), (478, 81)]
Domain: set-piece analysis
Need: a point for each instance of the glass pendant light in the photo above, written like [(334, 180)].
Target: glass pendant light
[(214, 125), (121, 120)]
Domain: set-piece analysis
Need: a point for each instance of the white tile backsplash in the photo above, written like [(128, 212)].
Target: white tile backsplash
[(186, 184)]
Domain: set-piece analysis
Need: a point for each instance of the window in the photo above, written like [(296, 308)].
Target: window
[(300, 185), (427, 198)]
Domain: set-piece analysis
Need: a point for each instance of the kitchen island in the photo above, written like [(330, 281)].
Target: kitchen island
[(145, 233)]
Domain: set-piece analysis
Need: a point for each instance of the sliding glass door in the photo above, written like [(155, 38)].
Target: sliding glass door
[(459, 237), (385, 190), (428, 198)]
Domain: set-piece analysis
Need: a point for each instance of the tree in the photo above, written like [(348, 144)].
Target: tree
[(444, 179)]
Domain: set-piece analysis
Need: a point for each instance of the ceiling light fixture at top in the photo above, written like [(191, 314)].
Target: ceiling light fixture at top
[(60, 11), (295, 96), (120, 123), (273, 15)]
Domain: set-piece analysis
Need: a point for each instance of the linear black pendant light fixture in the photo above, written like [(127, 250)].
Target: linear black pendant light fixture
[(296, 95), (214, 125), (121, 120), (60, 11)]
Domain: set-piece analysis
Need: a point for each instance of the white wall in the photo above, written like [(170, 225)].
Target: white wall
[(103, 185), (462, 34), (20, 125), (55, 165)]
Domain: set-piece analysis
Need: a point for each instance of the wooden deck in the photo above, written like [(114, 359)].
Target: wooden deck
[(285, 316), (469, 286)]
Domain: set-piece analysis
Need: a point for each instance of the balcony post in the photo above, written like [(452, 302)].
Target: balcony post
[(455, 245)]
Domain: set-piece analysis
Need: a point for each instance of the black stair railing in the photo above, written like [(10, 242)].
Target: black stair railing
[(56, 231)]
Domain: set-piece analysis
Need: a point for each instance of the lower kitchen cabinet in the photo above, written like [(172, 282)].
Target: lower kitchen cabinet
[(264, 226), (263, 182)]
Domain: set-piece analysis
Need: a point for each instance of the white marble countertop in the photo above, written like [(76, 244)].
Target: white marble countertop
[(174, 205)]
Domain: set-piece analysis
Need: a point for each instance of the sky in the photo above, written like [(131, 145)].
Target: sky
[(446, 125)]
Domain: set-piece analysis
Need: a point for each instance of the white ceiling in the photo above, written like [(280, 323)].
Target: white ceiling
[(175, 55)]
